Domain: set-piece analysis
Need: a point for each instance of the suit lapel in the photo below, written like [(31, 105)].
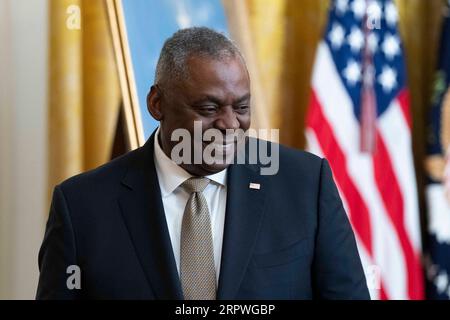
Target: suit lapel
[(244, 213), (143, 212)]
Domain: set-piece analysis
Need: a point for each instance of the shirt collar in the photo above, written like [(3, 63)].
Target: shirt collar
[(171, 175)]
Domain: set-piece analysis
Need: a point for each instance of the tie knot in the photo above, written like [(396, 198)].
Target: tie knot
[(195, 184)]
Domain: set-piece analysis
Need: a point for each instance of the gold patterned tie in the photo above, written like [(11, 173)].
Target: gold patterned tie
[(197, 269)]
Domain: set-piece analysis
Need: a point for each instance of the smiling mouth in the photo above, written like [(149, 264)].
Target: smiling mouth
[(221, 148), (220, 145)]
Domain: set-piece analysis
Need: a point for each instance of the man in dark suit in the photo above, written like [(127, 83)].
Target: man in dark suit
[(145, 227)]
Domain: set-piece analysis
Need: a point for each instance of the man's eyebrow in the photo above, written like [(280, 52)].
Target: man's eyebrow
[(243, 98), (218, 101), (206, 99)]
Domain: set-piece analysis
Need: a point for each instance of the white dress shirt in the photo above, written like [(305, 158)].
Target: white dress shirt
[(174, 198)]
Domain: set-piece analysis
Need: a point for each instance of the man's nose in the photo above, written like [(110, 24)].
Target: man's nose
[(227, 120)]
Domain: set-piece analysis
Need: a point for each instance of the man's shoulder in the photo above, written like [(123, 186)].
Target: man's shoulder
[(290, 167), (299, 164), (103, 176), (289, 155), (292, 154)]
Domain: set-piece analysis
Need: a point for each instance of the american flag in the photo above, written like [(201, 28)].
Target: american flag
[(359, 119)]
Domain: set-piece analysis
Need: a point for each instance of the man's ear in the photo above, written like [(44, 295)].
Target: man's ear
[(154, 103)]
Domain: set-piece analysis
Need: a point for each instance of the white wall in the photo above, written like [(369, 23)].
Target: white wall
[(23, 143)]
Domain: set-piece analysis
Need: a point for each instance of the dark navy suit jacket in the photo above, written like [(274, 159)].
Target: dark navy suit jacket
[(289, 240)]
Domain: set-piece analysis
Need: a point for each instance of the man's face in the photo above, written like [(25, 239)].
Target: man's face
[(217, 93)]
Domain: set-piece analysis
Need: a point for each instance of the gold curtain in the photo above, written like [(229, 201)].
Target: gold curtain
[(84, 96)]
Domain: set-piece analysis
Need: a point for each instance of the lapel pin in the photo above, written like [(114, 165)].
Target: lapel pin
[(256, 186)]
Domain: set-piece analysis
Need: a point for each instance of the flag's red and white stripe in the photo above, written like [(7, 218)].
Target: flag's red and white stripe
[(379, 189)]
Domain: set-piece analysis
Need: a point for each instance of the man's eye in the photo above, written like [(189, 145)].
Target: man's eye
[(242, 108), (208, 109)]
